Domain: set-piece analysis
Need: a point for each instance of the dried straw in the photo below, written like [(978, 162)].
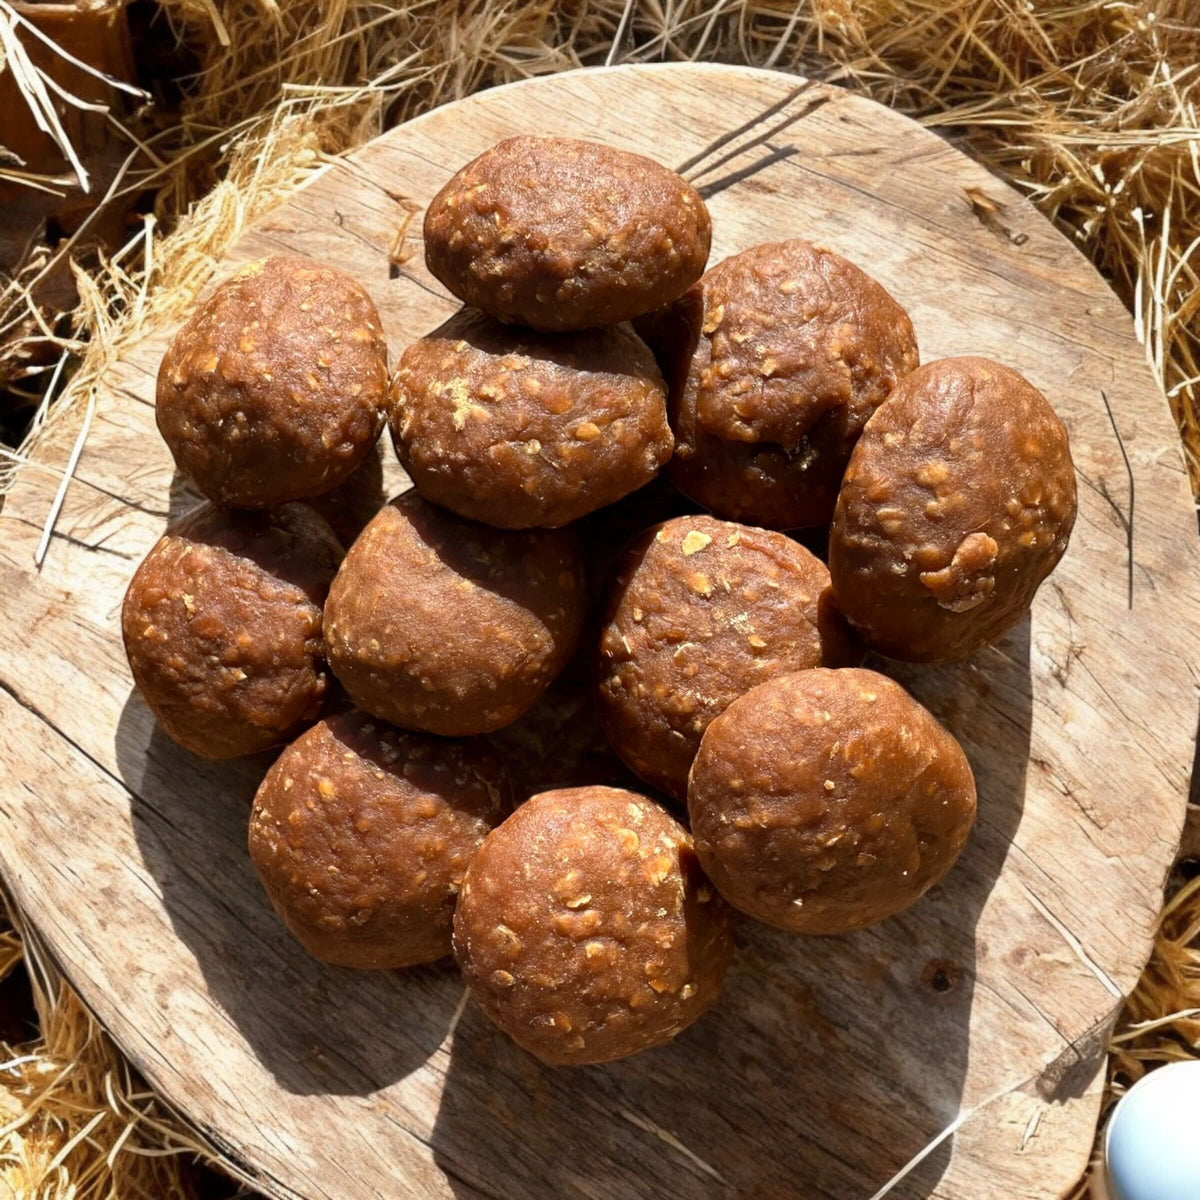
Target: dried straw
[(76, 1123), (1087, 106), (1160, 1022)]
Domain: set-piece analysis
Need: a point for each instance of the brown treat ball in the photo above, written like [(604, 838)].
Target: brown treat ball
[(444, 625), (349, 506), (827, 800), (701, 611), (959, 500), (276, 387), (586, 929), (522, 429), (608, 533), (222, 627), (775, 360), (559, 743), (560, 234), (361, 835)]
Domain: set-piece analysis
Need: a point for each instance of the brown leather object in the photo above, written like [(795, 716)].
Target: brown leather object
[(222, 627), (585, 928), (444, 625), (522, 429), (774, 362), (701, 611), (828, 800), (361, 835), (561, 234), (276, 387), (958, 501)]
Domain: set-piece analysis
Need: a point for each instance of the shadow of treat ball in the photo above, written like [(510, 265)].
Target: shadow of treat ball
[(701, 611), (524, 429), (585, 928), (958, 501), (560, 234), (607, 533), (828, 800), (775, 361), (349, 506), (444, 625), (222, 627), (559, 743), (361, 835), (276, 387)]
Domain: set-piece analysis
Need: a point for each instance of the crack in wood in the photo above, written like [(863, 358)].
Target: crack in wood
[(1062, 671), (1076, 946), (1126, 519), (71, 540), (161, 513), (397, 272)]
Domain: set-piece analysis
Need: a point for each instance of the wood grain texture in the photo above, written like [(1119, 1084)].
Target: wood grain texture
[(830, 1061)]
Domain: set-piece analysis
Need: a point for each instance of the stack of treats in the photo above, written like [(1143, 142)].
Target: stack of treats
[(591, 699)]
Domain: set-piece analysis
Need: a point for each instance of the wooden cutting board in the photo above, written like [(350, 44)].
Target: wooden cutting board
[(829, 1062)]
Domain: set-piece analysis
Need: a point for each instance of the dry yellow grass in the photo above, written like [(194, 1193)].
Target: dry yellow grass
[(1087, 106), (75, 1121)]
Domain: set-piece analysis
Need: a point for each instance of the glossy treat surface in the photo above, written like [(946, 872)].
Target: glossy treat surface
[(699, 612), (361, 835), (276, 387), (585, 928), (522, 429), (222, 627), (828, 800), (958, 502), (444, 625), (561, 234), (775, 360)]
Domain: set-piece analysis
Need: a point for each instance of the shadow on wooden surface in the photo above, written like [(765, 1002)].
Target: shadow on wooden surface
[(182, 497), (352, 504), (316, 1029), (319, 1029), (504, 1116)]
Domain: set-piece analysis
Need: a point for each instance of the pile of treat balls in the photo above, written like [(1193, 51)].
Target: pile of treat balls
[(779, 390)]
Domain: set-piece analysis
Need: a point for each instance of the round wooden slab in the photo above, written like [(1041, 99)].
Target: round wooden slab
[(829, 1062)]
